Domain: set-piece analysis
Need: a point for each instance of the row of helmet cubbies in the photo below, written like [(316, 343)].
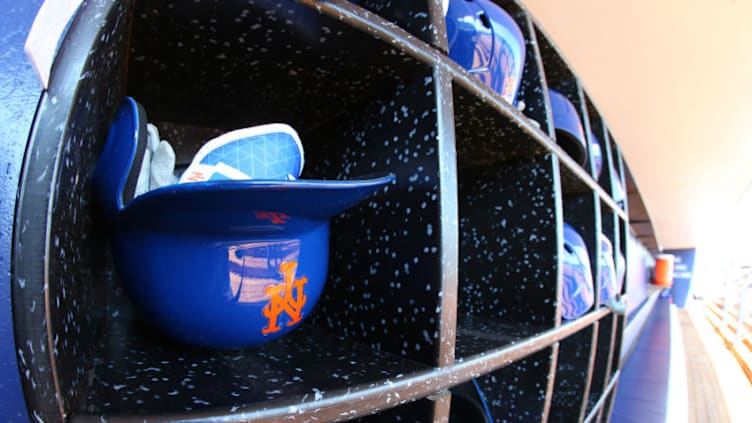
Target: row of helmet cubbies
[(587, 361), (361, 104)]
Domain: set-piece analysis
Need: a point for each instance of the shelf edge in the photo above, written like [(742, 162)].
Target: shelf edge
[(597, 408), (361, 401)]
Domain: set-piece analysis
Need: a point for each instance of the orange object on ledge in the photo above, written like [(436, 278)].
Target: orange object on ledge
[(664, 270)]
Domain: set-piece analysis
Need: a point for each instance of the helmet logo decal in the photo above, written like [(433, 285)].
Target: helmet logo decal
[(276, 218), (287, 297), (196, 176), (509, 82)]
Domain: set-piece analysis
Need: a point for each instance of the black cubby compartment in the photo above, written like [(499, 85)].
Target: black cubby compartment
[(226, 65), (363, 103), (384, 286), (531, 97), (212, 67), (608, 407), (582, 213), (506, 184), (609, 228), (623, 233), (609, 177), (519, 392), (604, 352), (598, 129), (618, 338), (559, 76), (617, 174), (508, 253), (419, 411), (574, 366), (573, 176), (573, 375), (350, 96), (413, 17)]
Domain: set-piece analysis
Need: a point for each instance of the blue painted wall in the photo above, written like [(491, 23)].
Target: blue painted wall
[(684, 263), (20, 91), (638, 274)]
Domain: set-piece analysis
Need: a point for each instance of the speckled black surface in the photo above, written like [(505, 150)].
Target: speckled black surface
[(606, 176), (619, 165), (603, 353), (517, 393), (571, 184), (616, 358), (139, 373), (598, 128), (225, 65), (477, 334), (609, 405), (558, 75), (413, 17), (60, 275), (484, 138), (609, 222), (608, 227), (420, 411), (623, 233), (560, 78), (618, 168), (385, 258), (571, 376), (508, 242)]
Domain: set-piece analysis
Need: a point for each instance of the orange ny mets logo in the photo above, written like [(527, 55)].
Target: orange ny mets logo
[(276, 218), (285, 297)]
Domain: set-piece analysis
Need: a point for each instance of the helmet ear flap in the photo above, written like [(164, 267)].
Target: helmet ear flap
[(121, 162), (571, 145), (569, 133)]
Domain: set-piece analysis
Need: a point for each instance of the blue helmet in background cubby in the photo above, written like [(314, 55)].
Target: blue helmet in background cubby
[(596, 155), (569, 133), (607, 271), (486, 41), (617, 187), (577, 279)]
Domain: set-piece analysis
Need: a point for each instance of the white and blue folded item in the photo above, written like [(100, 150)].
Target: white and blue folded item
[(265, 152), (596, 153), (617, 188)]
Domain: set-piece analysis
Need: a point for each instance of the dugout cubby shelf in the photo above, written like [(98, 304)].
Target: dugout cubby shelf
[(448, 277)]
